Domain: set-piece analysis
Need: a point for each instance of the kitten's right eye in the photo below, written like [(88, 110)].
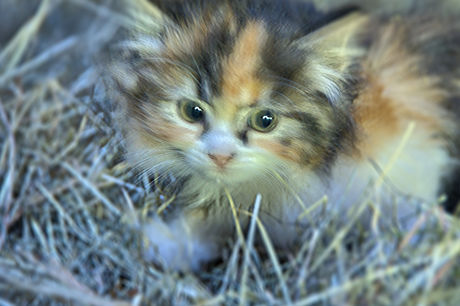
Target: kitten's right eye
[(191, 111)]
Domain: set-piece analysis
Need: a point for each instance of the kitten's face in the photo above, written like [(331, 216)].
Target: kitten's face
[(230, 101)]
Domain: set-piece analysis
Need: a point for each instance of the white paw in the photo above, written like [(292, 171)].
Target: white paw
[(176, 246)]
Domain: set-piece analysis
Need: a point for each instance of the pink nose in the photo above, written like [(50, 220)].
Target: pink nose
[(220, 160)]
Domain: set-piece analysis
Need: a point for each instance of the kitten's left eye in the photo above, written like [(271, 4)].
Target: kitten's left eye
[(263, 121), (191, 111)]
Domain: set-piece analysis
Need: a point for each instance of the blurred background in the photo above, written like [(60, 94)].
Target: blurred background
[(70, 205)]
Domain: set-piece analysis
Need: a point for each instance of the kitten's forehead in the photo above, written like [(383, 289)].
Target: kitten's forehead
[(235, 56), (228, 62), (241, 85)]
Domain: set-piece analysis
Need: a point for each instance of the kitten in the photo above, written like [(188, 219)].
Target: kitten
[(239, 98)]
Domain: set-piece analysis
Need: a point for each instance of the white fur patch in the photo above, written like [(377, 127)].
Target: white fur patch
[(177, 245)]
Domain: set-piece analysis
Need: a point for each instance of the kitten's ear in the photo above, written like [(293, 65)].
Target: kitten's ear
[(332, 49), (337, 39)]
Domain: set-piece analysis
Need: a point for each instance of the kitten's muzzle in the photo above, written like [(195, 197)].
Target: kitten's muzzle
[(221, 160)]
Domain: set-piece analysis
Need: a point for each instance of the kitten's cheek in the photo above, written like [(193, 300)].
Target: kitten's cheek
[(178, 135), (278, 149)]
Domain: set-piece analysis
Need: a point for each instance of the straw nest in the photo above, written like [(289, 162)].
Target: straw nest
[(70, 205)]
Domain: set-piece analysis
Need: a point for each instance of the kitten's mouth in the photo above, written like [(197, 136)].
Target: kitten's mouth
[(224, 171), (219, 175)]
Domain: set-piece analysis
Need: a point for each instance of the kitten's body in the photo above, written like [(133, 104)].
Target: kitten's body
[(358, 100)]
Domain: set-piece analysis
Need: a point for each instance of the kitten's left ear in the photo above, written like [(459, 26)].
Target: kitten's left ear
[(332, 49), (337, 41)]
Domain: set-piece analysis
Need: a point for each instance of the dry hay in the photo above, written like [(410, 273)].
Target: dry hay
[(70, 206)]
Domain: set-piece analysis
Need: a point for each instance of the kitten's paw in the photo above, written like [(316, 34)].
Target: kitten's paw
[(176, 246)]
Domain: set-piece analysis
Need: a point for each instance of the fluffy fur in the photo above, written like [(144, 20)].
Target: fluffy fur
[(359, 100)]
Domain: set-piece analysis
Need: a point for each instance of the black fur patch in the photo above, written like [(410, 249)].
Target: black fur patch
[(281, 15), (307, 120)]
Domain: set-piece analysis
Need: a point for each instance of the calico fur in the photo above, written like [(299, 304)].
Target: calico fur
[(360, 100)]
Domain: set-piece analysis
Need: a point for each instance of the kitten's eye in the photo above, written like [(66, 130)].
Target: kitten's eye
[(263, 121), (191, 111)]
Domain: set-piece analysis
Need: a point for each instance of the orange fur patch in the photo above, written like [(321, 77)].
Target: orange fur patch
[(286, 152), (293, 152), (168, 131), (172, 132), (193, 37), (376, 116), (396, 94), (241, 85)]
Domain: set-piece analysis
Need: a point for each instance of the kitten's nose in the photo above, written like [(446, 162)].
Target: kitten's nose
[(221, 160)]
